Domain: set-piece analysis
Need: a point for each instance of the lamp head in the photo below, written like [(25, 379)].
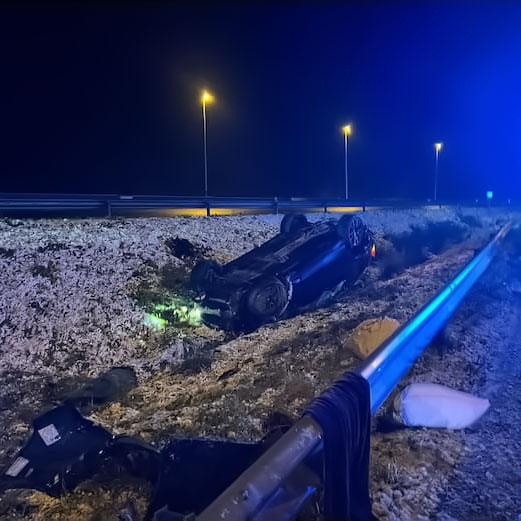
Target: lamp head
[(206, 97)]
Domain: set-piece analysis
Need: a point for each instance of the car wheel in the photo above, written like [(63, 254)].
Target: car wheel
[(293, 222), (267, 299), (353, 230), (204, 273)]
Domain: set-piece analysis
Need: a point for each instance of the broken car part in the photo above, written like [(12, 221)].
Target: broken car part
[(433, 405), (109, 386), (66, 449), (62, 451)]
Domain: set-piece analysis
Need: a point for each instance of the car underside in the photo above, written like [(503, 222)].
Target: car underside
[(301, 267)]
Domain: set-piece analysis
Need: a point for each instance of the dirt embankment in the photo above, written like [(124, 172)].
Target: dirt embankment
[(73, 304)]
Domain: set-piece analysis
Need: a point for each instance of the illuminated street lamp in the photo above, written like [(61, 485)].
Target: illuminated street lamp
[(205, 99), (437, 148), (347, 132)]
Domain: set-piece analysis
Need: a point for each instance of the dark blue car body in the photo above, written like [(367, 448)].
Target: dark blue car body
[(292, 271)]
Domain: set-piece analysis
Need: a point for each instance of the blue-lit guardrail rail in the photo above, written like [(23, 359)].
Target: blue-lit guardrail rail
[(261, 492)]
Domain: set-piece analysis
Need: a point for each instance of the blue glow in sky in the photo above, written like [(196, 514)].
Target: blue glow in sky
[(100, 99)]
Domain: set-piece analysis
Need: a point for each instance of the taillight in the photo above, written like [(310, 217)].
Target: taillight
[(373, 251)]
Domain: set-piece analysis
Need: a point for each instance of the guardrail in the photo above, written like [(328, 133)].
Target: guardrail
[(143, 205), (260, 492)]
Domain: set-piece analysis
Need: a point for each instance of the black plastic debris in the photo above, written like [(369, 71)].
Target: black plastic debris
[(187, 475), (62, 451), (109, 386), (137, 457), (195, 471), (66, 449)]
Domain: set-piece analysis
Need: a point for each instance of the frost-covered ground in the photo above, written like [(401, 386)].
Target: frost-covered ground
[(73, 297)]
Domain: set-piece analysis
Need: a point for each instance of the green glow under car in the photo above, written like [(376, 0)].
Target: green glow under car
[(177, 311)]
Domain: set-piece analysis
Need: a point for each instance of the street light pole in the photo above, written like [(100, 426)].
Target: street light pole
[(205, 98), (437, 148), (347, 132)]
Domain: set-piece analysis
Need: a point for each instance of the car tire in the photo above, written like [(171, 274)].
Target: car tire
[(293, 222), (204, 273), (353, 230), (267, 299)]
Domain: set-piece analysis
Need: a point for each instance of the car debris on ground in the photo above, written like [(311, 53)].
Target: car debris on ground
[(66, 449), (436, 406)]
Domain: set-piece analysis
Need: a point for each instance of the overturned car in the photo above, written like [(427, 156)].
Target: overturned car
[(298, 268)]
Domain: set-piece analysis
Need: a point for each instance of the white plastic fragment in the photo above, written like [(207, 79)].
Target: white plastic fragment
[(17, 466), (433, 405), (49, 434)]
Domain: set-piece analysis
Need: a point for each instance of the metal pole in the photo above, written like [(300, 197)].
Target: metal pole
[(436, 174), (205, 157), (346, 146)]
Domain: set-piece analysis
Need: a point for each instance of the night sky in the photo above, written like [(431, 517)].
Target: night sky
[(106, 99)]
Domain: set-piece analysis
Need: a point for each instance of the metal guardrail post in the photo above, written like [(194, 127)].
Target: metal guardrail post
[(245, 497)]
